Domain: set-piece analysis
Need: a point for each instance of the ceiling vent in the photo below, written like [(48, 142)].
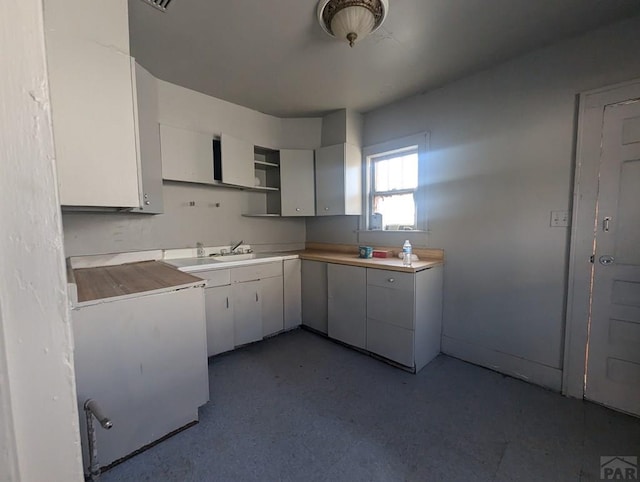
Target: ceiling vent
[(159, 4)]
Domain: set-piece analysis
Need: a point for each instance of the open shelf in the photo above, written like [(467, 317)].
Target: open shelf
[(263, 188), (265, 165), (259, 215)]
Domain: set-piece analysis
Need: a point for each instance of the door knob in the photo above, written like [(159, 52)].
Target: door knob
[(606, 259)]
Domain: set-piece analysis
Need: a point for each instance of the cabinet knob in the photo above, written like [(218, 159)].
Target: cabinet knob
[(297, 209), (326, 208), (147, 203), (391, 280)]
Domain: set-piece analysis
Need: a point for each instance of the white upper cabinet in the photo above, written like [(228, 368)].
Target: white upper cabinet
[(234, 161), (148, 131), (297, 186), (186, 155), (338, 180), (93, 103)]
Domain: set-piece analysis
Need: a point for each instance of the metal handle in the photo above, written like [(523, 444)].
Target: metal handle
[(227, 302), (605, 223), (606, 259), (391, 280), (326, 208), (256, 296), (92, 406), (297, 209)]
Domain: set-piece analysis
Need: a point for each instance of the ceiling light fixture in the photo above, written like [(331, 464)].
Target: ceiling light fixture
[(351, 20)]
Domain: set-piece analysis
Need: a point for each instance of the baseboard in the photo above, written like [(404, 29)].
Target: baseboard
[(514, 366)]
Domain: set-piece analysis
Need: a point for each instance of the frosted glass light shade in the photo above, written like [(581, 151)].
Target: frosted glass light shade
[(352, 20)]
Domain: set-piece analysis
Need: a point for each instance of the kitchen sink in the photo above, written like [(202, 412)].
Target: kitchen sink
[(234, 257)]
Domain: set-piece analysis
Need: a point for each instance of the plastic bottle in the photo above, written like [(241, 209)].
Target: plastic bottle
[(406, 253)]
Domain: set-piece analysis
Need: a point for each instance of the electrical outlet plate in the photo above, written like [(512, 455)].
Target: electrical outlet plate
[(559, 219)]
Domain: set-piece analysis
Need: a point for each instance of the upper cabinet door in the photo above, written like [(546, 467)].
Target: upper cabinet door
[(297, 186), (235, 162), (148, 129), (93, 123), (338, 180), (186, 155), (330, 180)]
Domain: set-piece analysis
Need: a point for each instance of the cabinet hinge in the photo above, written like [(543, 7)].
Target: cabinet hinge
[(592, 258)]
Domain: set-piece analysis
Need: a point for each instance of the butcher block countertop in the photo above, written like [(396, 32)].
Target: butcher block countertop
[(346, 254), (123, 280)]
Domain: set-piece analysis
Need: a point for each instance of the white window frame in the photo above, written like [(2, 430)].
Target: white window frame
[(370, 153)]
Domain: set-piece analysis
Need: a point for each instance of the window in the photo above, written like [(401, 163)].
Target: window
[(394, 187)]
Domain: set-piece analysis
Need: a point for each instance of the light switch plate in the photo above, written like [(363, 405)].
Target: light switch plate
[(559, 219)]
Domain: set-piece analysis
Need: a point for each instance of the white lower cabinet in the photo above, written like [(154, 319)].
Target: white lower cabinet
[(220, 319), (143, 359), (257, 294), (404, 315), (396, 315), (247, 312), (243, 305), (314, 295), (347, 304), (271, 305), (292, 273)]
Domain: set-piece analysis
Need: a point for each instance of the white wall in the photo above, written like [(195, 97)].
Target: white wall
[(182, 225), (501, 159), (39, 437)]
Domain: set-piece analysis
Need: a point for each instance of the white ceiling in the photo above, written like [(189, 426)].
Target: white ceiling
[(272, 56)]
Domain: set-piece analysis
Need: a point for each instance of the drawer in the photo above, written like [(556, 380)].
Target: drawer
[(256, 272), (391, 279), (396, 307), (217, 277), (391, 342)]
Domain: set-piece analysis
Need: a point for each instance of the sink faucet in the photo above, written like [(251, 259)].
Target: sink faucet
[(235, 246)]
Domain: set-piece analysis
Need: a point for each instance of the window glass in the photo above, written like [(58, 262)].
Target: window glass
[(396, 173)]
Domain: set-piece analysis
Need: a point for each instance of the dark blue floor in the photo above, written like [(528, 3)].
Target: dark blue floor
[(298, 407)]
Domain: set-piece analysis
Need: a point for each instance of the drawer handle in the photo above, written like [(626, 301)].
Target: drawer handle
[(227, 302), (391, 280), (256, 296)]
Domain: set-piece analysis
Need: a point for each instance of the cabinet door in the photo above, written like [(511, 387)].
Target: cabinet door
[(93, 123), (391, 341), (347, 307), (148, 132), (144, 359), (236, 158), (330, 180), (219, 310), (314, 295), (186, 155), (271, 305), (292, 293), (247, 317), (353, 180), (297, 184)]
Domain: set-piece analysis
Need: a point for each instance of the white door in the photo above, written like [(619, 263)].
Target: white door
[(297, 184), (247, 316), (613, 366), (347, 304), (330, 180), (237, 161), (271, 305), (219, 310)]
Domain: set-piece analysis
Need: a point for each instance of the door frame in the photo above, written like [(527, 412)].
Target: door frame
[(583, 225)]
